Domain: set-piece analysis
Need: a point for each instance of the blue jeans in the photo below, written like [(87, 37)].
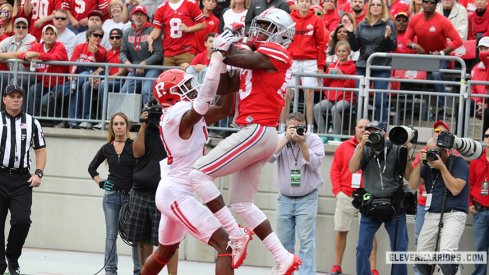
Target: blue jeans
[(299, 214), (480, 235), (439, 88), (145, 87), (42, 98), (420, 212), (112, 204), (368, 228), (381, 112), (80, 103)]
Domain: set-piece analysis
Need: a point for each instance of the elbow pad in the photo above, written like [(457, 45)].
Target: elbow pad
[(209, 87)]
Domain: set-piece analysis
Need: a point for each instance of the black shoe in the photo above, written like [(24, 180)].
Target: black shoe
[(14, 271)]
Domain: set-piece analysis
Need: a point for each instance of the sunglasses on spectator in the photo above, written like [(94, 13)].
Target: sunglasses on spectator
[(430, 2), (60, 18), (98, 35), (115, 37), (21, 27), (486, 135), (437, 131)]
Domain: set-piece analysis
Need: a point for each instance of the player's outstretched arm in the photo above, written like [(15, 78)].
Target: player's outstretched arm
[(246, 59)]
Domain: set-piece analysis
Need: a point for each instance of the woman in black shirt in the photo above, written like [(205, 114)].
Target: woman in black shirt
[(118, 154)]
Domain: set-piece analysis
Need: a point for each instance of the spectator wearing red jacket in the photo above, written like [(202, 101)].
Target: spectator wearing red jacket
[(479, 21), (336, 101), (42, 95), (343, 186), (479, 73), (88, 52), (330, 17), (308, 52), (432, 31), (397, 6), (479, 202), (211, 25)]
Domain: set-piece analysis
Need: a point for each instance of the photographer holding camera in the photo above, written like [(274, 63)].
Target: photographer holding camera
[(299, 155), (383, 165), (144, 218), (444, 176)]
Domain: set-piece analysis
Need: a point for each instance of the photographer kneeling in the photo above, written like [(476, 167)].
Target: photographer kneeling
[(444, 176), (383, 165)]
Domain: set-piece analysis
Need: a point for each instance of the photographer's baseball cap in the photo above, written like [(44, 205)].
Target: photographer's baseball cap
[(13, 88), (376, 125), (21, 20), (442, 123)]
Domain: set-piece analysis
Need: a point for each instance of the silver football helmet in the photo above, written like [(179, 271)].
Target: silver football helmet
[(281, 27)]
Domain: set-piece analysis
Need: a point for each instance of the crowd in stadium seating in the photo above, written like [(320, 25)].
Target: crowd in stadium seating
[(151, 33)]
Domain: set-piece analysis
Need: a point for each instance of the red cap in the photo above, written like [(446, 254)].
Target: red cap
[(442, 123), (139, 9)]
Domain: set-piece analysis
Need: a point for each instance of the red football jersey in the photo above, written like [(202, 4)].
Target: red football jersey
[(175, 41), (39, 9), (80, 8), (261, 92)]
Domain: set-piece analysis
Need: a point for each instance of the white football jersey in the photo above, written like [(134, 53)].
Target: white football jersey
[(181, 153)]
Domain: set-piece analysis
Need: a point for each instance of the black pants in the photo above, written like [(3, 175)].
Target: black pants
[(16, 196)]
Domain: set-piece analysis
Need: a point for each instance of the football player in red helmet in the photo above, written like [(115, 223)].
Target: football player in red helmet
[(263, 79), (187, 112)]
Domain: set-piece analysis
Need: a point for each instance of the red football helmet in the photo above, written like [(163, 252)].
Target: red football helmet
[(173, 86)]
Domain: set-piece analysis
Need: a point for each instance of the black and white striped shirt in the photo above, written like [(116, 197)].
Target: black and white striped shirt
[(17, 135)]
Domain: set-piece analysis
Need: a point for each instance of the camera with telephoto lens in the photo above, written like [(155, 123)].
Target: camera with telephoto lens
[(154, 112), (300, 130), (375, 138), (467, 147), (431, 155), (401, 135)]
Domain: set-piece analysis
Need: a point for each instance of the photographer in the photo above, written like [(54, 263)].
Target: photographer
[(144, 218), (299, 155), (382, 164), (444, 176)]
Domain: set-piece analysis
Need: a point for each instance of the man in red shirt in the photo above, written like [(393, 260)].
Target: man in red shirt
[(179, 19), (78, 12), (479, 21), (344, 184), (263, 79), (356, 7), (42, 95), (113, 85), (432, 31), (401, 22), (211, 25)]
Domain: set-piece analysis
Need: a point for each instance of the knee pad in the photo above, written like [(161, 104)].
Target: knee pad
[(247, 211), (203, 186)]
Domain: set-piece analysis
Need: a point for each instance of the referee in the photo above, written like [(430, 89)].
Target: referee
[(19, 132)]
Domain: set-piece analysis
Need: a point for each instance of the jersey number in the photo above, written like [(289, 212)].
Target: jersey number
[(40, 9), (175, 31), (80, 6)]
